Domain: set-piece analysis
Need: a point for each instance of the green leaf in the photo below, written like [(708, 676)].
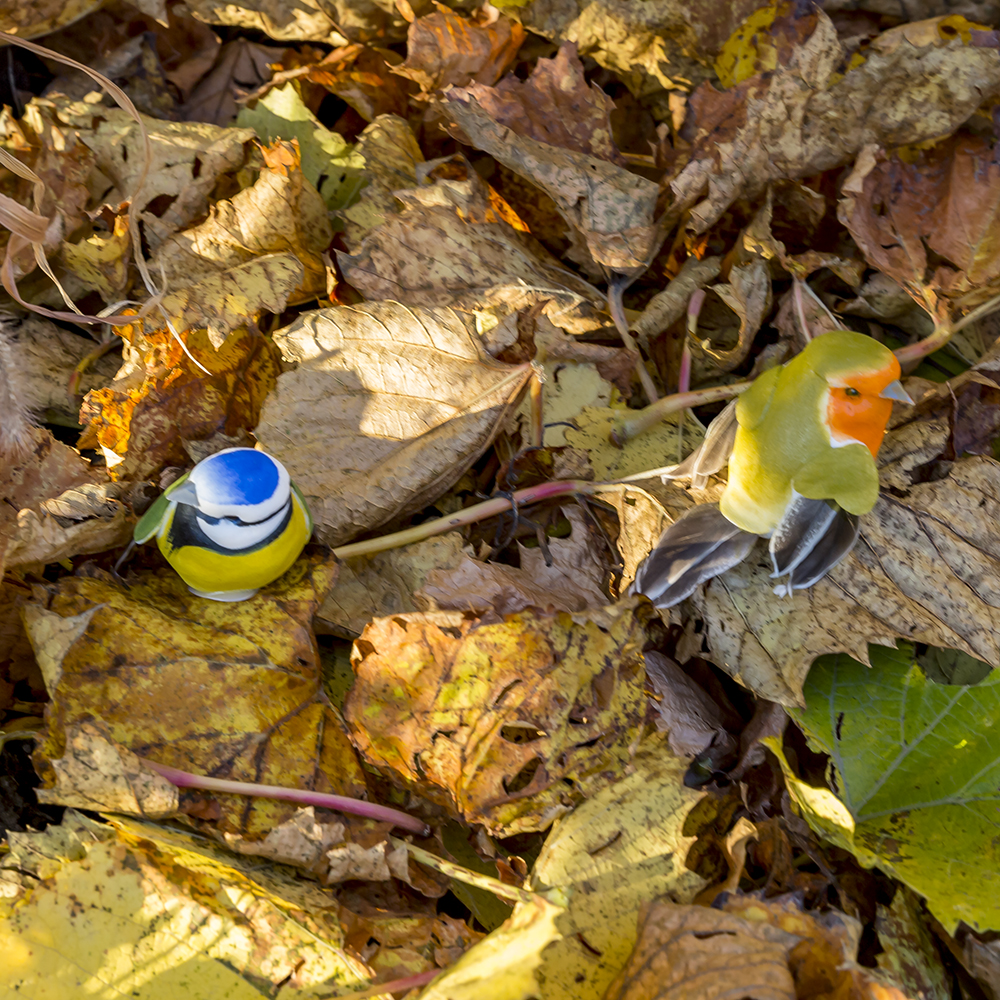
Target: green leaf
[(917, 766), (329, 162)]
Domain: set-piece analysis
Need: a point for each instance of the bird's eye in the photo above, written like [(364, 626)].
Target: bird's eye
[(851, 392)]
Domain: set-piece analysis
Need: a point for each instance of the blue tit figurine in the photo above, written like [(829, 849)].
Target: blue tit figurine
[(234, 523)]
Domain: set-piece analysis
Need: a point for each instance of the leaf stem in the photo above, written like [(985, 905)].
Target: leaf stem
[(357, 807), (470, 515)]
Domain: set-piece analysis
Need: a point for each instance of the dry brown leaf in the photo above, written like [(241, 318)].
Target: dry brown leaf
[(387, 408), (691, 719), (161, 399), (258, 252), (228, 690), (945, 200), (188, 159), (571, 583), (804, 117), (655, 47), (391, 154), (366, 82), (508, 725), (691, 952), (42, 16), (385, 584), (239, 70), (46, 471), (444, 49), (456, 243), (611, 208), (555, 105)]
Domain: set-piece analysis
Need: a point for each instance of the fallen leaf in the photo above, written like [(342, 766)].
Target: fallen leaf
[(622, 847), (685, 711), (149, 908), (910, 954), (48, 469), (226, 690), (944, 200), (444, 48), (456, 243), (685, 952), (328, 162), (241, 67), (508, 725), (923, 569), (915, 768), (612, 209), (571, 583), (366, 82), (391, 155), (306, 21), (805, 116), (161, 399), (186, 158), (385, 584), (505, 962), (555, 105), (387, 408), (100, 261), (42, 17)]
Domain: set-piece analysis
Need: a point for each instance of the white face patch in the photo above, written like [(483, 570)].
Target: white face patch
[(201, 478), (233, 536)]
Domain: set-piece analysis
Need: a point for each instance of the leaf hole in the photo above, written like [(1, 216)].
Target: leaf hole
[(364, 648), (523, 778), (520, 733)]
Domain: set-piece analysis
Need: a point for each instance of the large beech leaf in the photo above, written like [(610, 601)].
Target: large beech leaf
[(917, 766), (389, 405)]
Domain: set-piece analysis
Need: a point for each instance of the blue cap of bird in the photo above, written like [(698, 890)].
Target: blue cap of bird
[(240, 483)]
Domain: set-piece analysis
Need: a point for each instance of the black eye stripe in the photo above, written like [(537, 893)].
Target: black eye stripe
[(232, 519)]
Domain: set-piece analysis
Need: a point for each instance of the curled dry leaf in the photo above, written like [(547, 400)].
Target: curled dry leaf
[(508, 725), (239, 69), (231, 691), (555, 105), (363, 78), (611, 208), (30, 21), (945, 200), (807, 116), (161, 399), (387, 408), (444, 48), (188, 159), (29, 534), (572, 583), (258, 252), (457, 243)]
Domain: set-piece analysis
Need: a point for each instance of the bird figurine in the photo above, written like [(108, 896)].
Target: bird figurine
[(801, 445), (234, 523)]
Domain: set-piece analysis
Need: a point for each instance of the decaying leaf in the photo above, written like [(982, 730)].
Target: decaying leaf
[(555, 105), (944, 201), (613, 210), (457, 243), (444, 48), (621, 848), (508, 725), (228, 690), (387, 408), (808, 115), (571, 583), (161, 399), (255, 253), (156, 911)]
